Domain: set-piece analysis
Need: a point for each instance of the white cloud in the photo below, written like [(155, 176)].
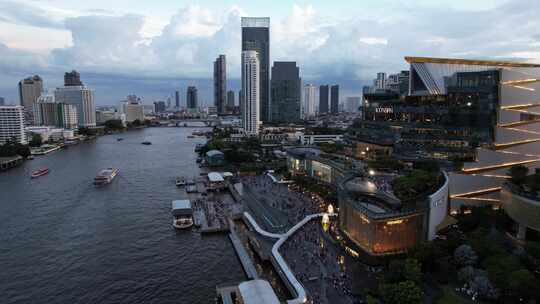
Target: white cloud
[(331, 47)]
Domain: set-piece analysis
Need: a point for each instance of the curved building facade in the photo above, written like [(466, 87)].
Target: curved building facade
[(523, 209)]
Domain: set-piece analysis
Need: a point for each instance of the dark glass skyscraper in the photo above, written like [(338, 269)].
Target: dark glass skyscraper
[(323, 99), (177, 99), (72, 78), (334, 99), (256, 37), (220, 84), (230, 100), (191, 97), (285, 92)]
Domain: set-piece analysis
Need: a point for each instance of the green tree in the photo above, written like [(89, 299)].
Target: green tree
[(36, 140), (499, 267), (114, 124), (413, 270), (406, 292), (518, 174), (523, 284)]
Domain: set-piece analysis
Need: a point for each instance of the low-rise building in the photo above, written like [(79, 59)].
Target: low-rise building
[(313, 139), (215, 158)]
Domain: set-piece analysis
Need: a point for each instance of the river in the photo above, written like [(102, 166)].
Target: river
[(62, 240)]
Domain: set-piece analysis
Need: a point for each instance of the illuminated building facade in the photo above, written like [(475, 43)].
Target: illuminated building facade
[(485, 114)]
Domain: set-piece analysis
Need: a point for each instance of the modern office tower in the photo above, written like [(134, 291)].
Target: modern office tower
[(12, 124), (2, 101), (177, 99), (29, 91), (133, 108), (380, 82), (80, 96), (256, 37), (323, 99), (334, 99), (309, 100), (72, 79), (230, 100), (353, 103), (220, 84), (160, 106), (250, 92), (191, 98), (286, 92)]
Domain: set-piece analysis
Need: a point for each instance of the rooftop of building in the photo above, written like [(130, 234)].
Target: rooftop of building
[(471, 62)]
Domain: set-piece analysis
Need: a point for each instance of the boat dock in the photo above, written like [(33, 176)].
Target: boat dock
[(245, 259)]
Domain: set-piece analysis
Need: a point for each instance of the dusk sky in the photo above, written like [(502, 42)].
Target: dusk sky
[(152, 47)]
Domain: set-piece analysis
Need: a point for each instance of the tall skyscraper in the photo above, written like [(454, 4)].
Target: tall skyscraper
[(323, 99), (220, 84), (334, 99), (191, 98), (160, 106), (2, 101), (230, 100), (29, 91), (256, 37), (177, 99), (286, 92), (12, 124), (309, 100), (250, 92), (380, 82), (80, 96), (72, 79)]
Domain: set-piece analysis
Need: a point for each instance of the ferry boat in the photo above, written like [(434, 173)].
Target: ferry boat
[(146, 143), (182, 213), (105, 176), (39, 172), (119, 139), (180, 181)]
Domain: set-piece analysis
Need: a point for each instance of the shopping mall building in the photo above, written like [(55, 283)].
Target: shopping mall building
[(374, 221), (482, 114)]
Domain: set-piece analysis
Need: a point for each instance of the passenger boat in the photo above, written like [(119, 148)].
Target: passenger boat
[(40, 172), (180, 181), (182, 213), (119, 139), (191, 136), (146, 143), (106, 176)]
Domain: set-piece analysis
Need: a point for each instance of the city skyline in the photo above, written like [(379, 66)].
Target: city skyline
[(197, 34)]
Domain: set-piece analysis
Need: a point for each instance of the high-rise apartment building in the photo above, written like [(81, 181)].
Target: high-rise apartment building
[(380, 82), (160, 106), (47, 112), (250, 92), (29, 91), (133, 108), (80, 96), (220, 84), (230, 100), (286, 92), (323, 99), (12, 124), (334, 99), (177, 99), (256, 37), (309, 100), (191, 98), (72, 79)]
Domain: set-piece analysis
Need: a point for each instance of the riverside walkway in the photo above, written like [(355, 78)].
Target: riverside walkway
[(299, 291)]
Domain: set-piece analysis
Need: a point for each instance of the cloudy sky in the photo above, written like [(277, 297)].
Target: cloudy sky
[(151, 47)]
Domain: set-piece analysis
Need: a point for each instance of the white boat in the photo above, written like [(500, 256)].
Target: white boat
[(106, 176), (182, 214), (180, 181)]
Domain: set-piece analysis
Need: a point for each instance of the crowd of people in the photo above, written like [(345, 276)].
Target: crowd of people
[(315, 262)]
